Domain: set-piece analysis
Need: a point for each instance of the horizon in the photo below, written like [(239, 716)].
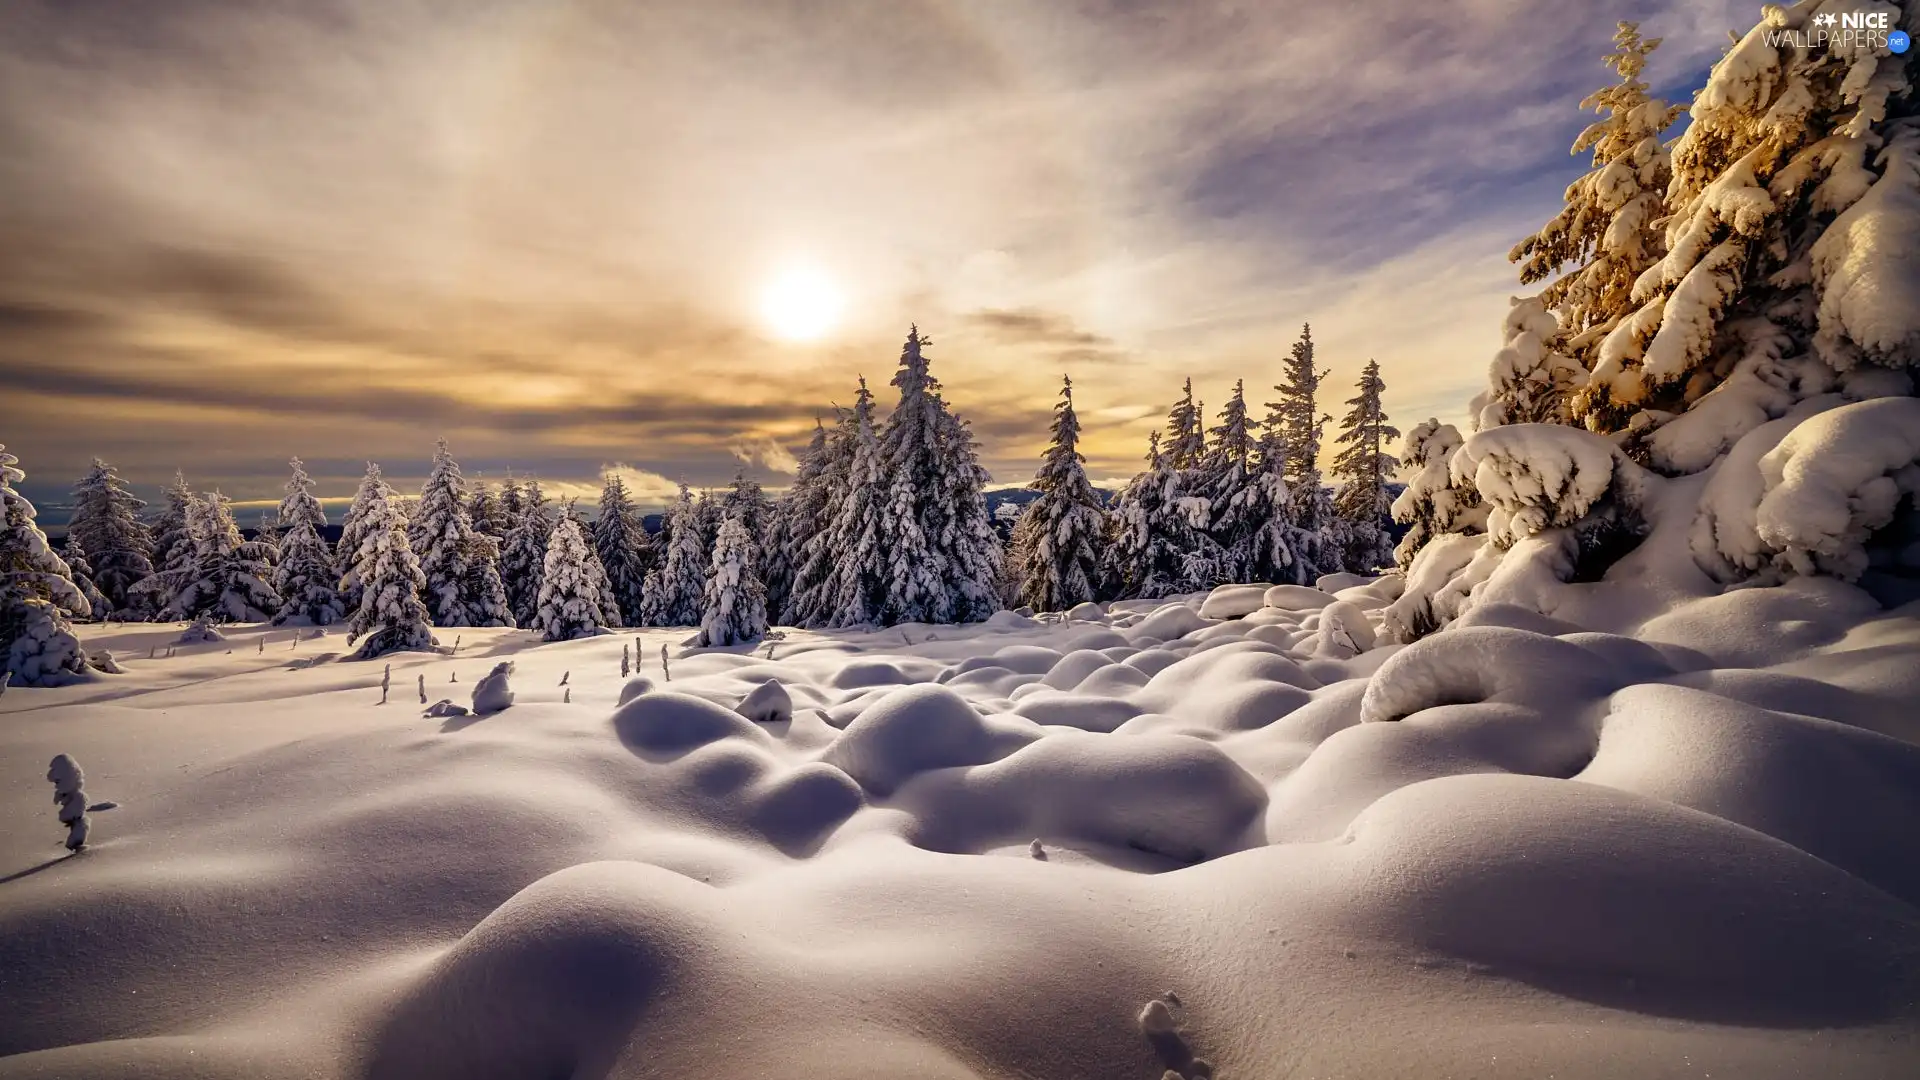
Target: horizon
[(525, 249)]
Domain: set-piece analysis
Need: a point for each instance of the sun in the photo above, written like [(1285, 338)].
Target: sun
[(801, 303)]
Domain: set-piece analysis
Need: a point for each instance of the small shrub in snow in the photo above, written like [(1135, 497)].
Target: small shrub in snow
[(492, 693), (67, 779)]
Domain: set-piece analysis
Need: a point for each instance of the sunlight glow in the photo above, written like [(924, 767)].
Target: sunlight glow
[(801, 303)]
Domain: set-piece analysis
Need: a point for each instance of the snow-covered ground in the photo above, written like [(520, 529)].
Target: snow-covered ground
[(1513, 849)]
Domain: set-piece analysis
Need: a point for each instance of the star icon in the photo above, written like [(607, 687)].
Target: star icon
[(1824, 19)]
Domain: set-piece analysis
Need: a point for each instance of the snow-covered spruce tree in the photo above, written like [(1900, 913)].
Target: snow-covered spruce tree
[(1528, 382), (733, 607), (266, 532), (485, 589), (596, 571), (912, 461), (1606, 237), (74, 554), (1363, 466), (172, 550), (1247, 498), (353, 531), (855, 591), (673, 592), (1300, 424), (746, 500), (1787, 272), (524, 558), (229, 579), (1186, 443), (37, 595), (706, 518), (962, 528), (512, 503), (106, 522), (1432, 505), (625, 551), (793, 521), (1059, 561), (447, 549), (305, 577), (570, 593), (486, 512), (390, 617), (814, 509)]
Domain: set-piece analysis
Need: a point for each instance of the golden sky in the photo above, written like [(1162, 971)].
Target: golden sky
[(546, 229)]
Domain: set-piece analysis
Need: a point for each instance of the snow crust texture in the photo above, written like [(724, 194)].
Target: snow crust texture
[(1217, 835)]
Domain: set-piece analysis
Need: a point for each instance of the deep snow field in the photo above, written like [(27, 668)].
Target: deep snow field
[(1513, 849)]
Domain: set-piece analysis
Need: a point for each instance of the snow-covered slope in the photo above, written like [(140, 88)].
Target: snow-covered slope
[(1515, 848)]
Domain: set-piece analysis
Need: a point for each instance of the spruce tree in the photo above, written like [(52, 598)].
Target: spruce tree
[(569, 604), (911, 466), (746, 500), (512, 503), (106, 521), (489, 517), (1142, 561), (74, 554), (1363, 466), (1250, 506), (229, 579), (1608, 234), (1300, 423), (1186, 443), (446, 547), (1432, 503), (815, 507), (1059, 557), (733, 607), (172, 549), (353, 532), (794, 520), (962, 528), (1797, 168), (855, 592), (523, 560), (391, 616), (37, 595), (673, 592), (626, 554), (305, 576)]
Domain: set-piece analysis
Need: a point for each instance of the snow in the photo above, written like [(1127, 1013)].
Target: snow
[(1834, 479), (1505, 835)]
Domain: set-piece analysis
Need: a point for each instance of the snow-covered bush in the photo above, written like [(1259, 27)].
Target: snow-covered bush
[(1431, 505), (734, 606), (67, 780), (492, 693)]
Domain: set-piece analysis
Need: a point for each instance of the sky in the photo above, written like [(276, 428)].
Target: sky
[(573, 236)]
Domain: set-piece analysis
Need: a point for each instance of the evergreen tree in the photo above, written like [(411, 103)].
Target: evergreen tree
[(446, 546), (962, 529), (596, 570), (626, 554), (1059, 555), (1363, 466), (391, 616), (1250, 506), (74, 554), (512, 503), (673, 591), (484, 509), (855, 592), (485, 590), (1186, 444), (229, 579), (1300, 423), (1608, 233), (37, 594), (706, 519), (353, 534), (815, 506), (733, 608), (524, 559), (747, 501), (172, 549), (911, 467), (1797, 167), (1432, 503), (305, 575), (106, 521), (569, 604), (1142, 561), (794, 520)]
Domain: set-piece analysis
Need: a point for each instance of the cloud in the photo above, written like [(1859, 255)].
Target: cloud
[(765, 453)]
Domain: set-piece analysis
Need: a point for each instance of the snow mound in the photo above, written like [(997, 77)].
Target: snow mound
[(1834, 479), (1233, 601), (912, 730)]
